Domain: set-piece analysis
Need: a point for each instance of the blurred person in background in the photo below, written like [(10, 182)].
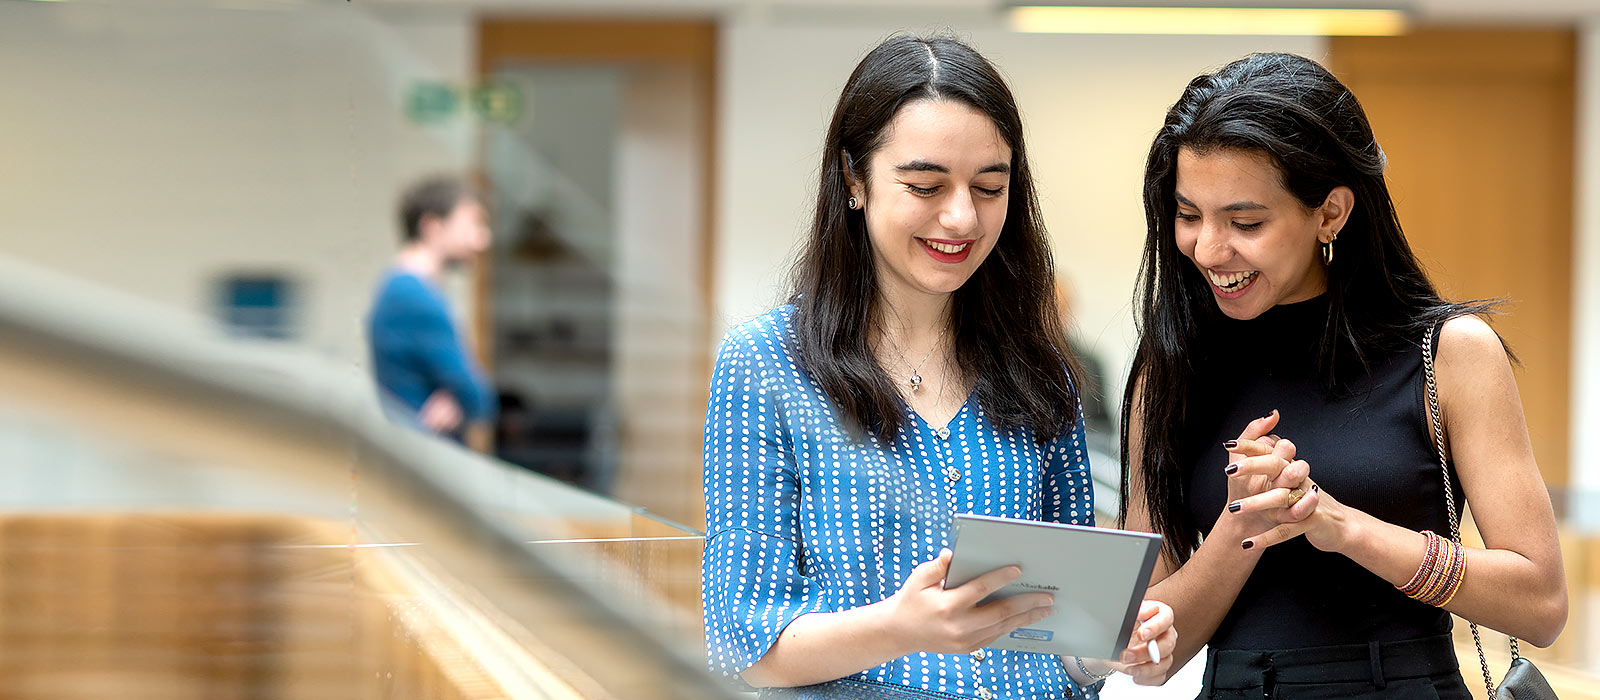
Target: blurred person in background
[(424, 371), (919, 371), (1278, 293), (1091, 374)]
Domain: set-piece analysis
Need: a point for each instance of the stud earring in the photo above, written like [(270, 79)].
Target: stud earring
[(853, 203)]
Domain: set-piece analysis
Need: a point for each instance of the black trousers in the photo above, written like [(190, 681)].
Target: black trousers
[(1417, 669)]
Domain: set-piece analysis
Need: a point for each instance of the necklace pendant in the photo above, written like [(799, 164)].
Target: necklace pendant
[(916, 382)]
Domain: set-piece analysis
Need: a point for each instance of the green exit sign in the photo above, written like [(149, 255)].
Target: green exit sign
[(436, 102)]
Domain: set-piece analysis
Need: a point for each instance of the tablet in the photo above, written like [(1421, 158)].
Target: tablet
[(1098, 577)]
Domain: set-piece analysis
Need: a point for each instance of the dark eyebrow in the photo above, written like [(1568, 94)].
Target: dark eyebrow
[(1245, 205), (925, 166), (921, 166)]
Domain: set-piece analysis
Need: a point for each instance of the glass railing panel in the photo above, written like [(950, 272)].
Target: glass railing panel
[(195, 519)]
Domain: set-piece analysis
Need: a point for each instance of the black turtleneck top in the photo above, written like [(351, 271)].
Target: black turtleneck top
[(1367, 445)]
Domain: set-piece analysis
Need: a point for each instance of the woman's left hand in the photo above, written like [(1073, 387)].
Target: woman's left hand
[(1153, 623), (1304, 509)]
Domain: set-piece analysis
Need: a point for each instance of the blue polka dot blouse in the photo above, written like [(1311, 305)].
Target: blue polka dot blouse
[(800, 518)]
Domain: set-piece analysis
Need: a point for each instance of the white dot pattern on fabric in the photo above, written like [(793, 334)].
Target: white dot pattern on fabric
[(801, 518)]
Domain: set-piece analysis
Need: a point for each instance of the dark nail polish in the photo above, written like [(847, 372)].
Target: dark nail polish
[(1230, 444), (1232, 468), (1235, 507), (1247, 544), (1314, 488)]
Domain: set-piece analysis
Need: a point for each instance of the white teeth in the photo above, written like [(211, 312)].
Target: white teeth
[(1232, 281), (945, 248)]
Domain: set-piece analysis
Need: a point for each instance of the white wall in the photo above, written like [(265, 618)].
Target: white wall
[(1090, 103), (1584, 504), (155, 147)]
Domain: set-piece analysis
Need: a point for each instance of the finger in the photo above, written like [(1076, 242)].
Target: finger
[(1248, 448), (1146, 674), (1260, 426), (1136, 655), (1269, 466), (929, 573), (1306, 506), (1293, 475), (1149, 609), (999, 611), (1168, 644), (1155, 617), (1284, 448), (1275, 499), (969, 593), (1152, 673), (1009, 623), (1280, 534)]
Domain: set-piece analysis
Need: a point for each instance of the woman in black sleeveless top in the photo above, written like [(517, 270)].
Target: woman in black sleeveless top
[(1288, 555)]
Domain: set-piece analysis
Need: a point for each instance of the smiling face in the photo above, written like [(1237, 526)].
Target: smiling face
[(935, 197), (1255, 243)]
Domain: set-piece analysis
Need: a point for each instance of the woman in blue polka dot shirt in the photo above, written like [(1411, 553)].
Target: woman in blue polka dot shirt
[(917, 372)]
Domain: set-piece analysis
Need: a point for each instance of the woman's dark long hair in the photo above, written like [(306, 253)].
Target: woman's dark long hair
[(1005, 334), (1380, 300)]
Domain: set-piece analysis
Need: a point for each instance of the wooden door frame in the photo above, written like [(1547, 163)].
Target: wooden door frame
[(566, 40)]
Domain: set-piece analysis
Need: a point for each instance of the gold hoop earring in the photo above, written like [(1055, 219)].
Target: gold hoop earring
[(1327, 251)]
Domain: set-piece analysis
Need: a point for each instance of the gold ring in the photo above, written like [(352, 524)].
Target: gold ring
[(1295, 495)]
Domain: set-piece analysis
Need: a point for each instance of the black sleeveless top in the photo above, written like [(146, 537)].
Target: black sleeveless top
[(1371, 449)]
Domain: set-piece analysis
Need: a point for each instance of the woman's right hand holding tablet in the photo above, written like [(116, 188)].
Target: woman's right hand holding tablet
[(925, 616), (921, 617)]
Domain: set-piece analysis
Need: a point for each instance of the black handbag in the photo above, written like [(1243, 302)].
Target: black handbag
[(1523, 680)]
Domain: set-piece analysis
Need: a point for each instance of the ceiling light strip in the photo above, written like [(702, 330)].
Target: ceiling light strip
[(1050, 19)]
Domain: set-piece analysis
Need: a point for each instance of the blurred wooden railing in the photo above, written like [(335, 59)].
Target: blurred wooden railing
[(367, 560)]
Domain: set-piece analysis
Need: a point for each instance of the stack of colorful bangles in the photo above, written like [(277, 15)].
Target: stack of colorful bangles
[(1439, 577)]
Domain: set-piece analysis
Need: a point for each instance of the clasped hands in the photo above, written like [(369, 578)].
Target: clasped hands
[(1271, 496)]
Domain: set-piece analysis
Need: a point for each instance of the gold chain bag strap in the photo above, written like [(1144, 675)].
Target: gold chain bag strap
[(1523, 681)]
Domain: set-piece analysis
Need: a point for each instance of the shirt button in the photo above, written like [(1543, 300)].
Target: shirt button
[(953, 474), (943, 433), (985, 693), (980, 655)]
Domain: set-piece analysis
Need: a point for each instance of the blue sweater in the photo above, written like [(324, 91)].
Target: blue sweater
[(416, 349)]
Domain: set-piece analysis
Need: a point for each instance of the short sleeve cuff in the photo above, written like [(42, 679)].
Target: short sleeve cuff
[(752, 589)]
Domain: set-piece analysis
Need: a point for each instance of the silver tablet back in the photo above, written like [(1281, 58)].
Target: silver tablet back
[(1098, 577)]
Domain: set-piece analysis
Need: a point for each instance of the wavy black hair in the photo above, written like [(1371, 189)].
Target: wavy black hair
[(1005, 333), (1380, 300)]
